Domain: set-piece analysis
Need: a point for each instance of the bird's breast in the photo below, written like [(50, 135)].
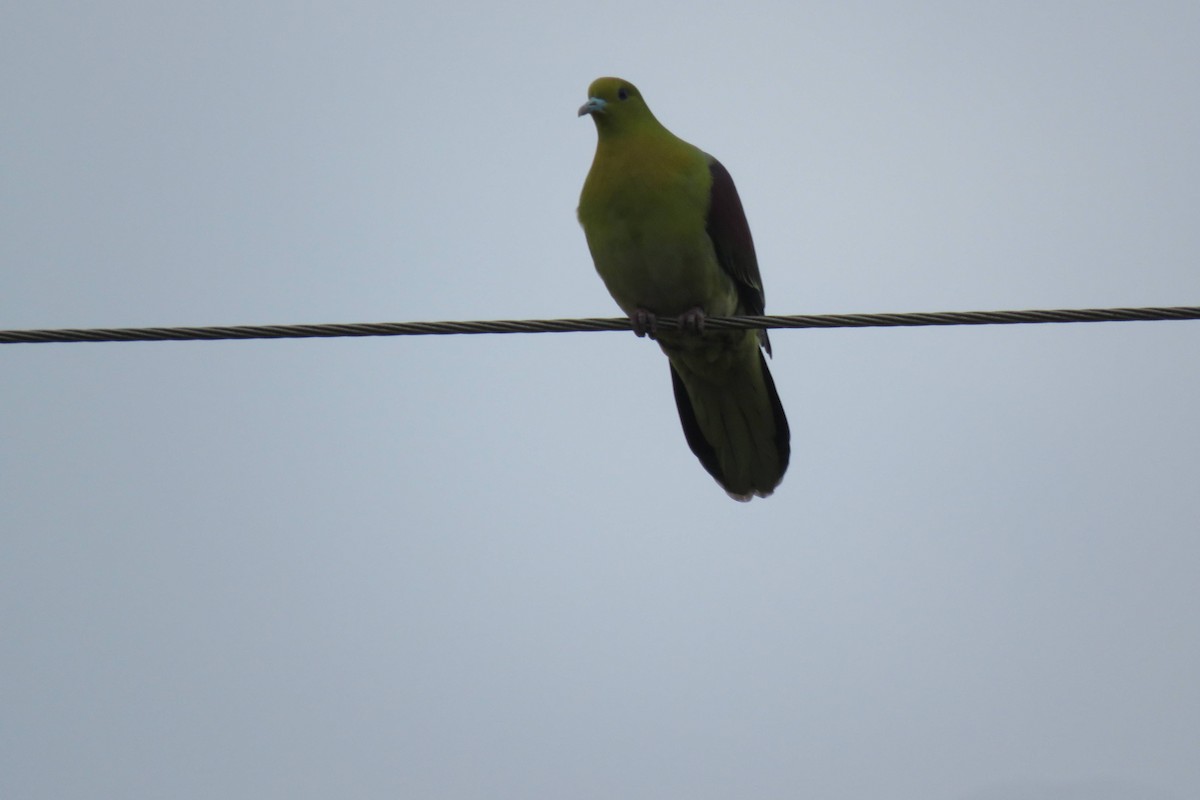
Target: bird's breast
[(645, 222)]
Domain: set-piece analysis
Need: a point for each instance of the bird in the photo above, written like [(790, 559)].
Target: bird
[(668, 236)]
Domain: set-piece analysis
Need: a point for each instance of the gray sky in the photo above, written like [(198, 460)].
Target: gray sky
[(480, 567)]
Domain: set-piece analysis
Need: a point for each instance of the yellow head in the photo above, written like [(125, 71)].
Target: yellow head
[(617, 107)]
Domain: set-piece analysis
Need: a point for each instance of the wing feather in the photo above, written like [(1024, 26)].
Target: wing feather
[(730, 234)]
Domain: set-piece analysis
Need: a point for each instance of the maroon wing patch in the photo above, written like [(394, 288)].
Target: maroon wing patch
[(730, 234)]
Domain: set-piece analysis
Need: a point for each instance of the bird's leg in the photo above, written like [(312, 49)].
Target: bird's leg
[(692, 320), (644, 323)]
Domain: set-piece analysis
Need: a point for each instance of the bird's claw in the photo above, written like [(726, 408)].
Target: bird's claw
[(644, 323), (692, 321)]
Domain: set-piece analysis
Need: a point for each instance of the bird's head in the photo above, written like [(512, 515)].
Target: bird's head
[(616, 106)]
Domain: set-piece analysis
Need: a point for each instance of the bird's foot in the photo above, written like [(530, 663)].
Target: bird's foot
[(692, 320), (644, 323)]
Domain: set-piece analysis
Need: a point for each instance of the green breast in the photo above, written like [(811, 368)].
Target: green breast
[(643, 209)]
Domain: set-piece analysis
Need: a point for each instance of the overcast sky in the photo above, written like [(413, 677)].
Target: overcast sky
[(481, 567)]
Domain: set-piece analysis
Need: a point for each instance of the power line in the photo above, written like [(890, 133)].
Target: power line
[(913, 319)]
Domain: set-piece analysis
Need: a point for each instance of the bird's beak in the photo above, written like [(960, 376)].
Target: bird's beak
[(594, 105)]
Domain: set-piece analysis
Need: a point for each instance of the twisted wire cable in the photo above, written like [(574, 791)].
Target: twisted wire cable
[(334, 330)]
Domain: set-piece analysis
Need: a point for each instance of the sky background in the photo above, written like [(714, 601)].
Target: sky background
[(483, 567)]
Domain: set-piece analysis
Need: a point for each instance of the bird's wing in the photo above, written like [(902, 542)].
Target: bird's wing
[(730, 234)]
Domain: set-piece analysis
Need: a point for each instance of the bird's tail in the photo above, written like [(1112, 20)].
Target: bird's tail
[(734, 422)]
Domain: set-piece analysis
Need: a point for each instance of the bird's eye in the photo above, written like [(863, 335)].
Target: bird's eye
[(622, 93)]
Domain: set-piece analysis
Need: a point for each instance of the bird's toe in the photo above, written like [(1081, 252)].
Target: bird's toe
[(692, 320), (644, 323)]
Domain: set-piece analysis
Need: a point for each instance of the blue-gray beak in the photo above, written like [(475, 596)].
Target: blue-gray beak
[(594, 105)]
